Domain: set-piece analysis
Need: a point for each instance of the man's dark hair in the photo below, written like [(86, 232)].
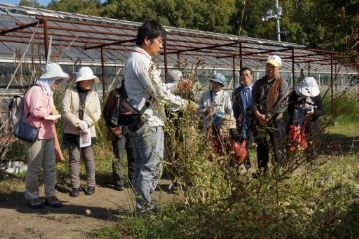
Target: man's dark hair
[(150, 30), (246, 69)]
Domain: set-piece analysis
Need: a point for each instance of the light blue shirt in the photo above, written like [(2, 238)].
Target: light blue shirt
[(246, 96)]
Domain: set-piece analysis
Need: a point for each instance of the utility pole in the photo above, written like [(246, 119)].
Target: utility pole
[(277, 14)]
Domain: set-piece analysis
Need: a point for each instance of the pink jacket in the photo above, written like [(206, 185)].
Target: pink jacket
[(38, 105)]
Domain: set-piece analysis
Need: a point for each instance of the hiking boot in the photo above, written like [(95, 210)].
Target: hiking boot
[(53, 201), (35, 203), (118, 187), (75, 192), (90, 190)]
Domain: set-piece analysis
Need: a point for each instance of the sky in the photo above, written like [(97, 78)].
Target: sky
[(42, 2)]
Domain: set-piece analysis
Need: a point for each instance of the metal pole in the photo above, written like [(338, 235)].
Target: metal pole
[(331, 89), (3, 32), (234, 73), (103, 74), (46, 40), (277, 19), (240, 55), (165, 57), (293, 74)]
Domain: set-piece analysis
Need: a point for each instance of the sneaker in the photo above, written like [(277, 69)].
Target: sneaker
[(90, 190), (53, 201), (35, 203), (118, 187), (75, 192), (140, 210)]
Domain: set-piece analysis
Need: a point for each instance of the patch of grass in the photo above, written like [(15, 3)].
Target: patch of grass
[(106, 233), (16, 151), (344, 128)]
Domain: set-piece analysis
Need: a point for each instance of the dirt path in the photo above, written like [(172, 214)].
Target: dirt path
[(75, 219)]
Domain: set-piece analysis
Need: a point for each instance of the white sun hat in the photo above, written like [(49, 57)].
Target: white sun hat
[(274, 60), (174, 76), (52, 71), (85, 73), (308, 87)]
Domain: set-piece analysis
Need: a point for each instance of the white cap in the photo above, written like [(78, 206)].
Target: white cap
[(85, 73), (54, 70), (307, 87), (274, 60), (174, 76)]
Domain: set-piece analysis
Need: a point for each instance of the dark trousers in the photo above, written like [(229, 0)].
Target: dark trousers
[(277, 139), (119, 147)]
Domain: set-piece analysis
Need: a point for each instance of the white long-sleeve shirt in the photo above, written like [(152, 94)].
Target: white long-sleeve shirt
[(143, 83)]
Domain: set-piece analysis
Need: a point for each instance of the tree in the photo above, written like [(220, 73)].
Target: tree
[(88, 7), (30, 3)]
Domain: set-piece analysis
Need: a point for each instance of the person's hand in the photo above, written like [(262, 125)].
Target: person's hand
[(54, 112), (117, 131), (209, 110), (83, 125), (192, 106), (262, 119), (59, 156)]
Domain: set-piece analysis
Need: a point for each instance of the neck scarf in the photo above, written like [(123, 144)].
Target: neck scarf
[(45, 83)]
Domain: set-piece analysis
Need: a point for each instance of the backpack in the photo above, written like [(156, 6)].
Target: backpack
[(123, 113), (16, 108)]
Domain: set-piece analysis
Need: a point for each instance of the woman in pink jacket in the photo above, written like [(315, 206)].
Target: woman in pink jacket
[(40, 112)]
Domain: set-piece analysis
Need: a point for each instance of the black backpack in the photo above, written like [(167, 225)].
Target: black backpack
[(123, 113)]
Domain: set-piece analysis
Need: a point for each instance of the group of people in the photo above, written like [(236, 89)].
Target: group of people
[(233, 122), (81, 109)]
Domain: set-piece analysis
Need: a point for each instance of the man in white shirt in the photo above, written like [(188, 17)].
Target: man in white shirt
[(143, 84)]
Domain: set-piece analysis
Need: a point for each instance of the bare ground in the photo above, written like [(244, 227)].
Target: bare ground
[(75, 219)]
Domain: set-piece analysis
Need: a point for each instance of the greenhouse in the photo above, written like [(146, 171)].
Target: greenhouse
[(29, 35)]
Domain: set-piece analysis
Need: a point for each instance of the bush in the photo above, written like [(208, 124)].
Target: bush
[(319, 203)]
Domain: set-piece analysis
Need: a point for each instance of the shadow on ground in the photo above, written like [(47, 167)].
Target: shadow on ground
[(16, 201), (338, 144)]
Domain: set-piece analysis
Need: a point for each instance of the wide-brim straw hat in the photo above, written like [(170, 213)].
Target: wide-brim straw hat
[(85, 73)]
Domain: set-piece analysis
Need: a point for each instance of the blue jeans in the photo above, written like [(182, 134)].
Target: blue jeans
[(148, 152)]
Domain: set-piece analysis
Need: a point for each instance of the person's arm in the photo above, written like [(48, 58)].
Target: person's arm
[(109, 105), (319, 111), (151, 81), (95, 114), (68, 116), (261, 118), (228, 109), (282, 102), (236, 103), (293, 97), (204, 108), (38, 107)]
